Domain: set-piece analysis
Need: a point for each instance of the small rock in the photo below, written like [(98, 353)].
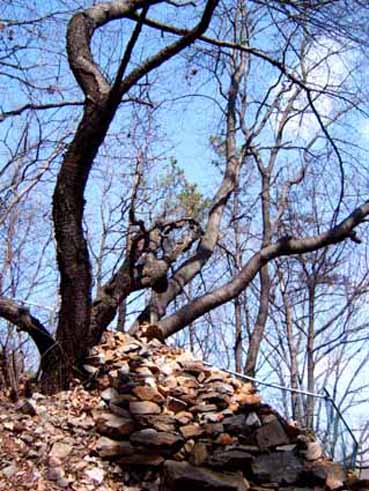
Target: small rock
[(333, 483), (60, 450), (169, 382), (160, 422), (144, 407), (106, 447), (223, 388), (124, 369), (63, 482), (119, 411), (281, 467), (140, 458), (313, 451), (268, 418), (184, 417), (90, 369), (8, 425), (248, 399), (199, 454), (111, 425), (181, 475), (330, 473), (148, 393), (235, 424), (213, 397), (230, 459), (55, 473), (271, 435), (286, 448), (110, 395), (253, 420), (95, 474), (26, 407), (9, 471), (36, 396), (176, 405), (203, 408), (211, 417), (214, 428), (54, 461), (96, 359), (225, 439), (130, 348), (191, 430), (152, 438)]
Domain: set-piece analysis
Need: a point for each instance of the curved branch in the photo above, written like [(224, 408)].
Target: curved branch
[(25, 321), (192, 266), (189, 37), (141, 269), (284, 247), (80, 31)]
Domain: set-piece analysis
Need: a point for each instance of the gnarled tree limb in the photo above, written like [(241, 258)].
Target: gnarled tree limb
[(286, 246), (25, 321)]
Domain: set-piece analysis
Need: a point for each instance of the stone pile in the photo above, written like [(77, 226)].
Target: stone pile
[(196, 426)]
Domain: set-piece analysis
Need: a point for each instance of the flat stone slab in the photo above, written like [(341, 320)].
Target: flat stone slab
[(181, 476), (271, 435), (280, 467)]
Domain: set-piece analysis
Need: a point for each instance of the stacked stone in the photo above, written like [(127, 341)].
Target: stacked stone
[(199, 426)]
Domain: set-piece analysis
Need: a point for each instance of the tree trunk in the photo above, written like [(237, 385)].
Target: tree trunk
[(238, 335), (258, 332), (310, 403), (74, 336), (296, 409)]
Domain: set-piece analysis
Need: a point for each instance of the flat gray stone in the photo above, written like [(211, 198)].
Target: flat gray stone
[(181, 476), (280, 467), (235, 424), (230, 459), (313, 451), (149, 437), (271, 435), (107, 447)]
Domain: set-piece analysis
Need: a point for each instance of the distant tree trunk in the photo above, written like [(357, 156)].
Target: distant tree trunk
[(310, 403), (296, 409), (238, 335), (258, 332)]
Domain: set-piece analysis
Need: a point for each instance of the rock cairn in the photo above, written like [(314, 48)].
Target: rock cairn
[(196, 426)]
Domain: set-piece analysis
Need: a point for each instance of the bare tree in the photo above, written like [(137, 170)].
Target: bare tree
[(165, 254)]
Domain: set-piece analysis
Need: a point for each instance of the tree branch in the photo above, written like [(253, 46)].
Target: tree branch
[(80, 31), (36, 107), (23, 320), (286, 246)]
